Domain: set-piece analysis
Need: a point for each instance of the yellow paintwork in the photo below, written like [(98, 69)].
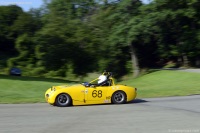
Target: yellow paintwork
[(82, 95)]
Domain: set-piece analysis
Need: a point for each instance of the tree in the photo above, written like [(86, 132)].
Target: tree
[(7, 18), (114, 19), (178, 22), (63, 42)]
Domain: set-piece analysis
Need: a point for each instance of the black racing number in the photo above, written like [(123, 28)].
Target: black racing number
[(96, 93), (99, 93)]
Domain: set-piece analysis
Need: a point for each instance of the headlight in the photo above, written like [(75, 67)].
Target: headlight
[(47, 95)]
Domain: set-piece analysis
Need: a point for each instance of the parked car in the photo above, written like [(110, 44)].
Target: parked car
[(15, 71)]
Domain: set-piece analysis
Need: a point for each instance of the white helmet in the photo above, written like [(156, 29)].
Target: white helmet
[(102, 78)]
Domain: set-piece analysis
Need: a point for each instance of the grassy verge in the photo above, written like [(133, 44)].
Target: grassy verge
[(14, 89), (166, 83), (156, 84)]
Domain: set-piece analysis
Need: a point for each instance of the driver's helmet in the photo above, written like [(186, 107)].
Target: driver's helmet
[(102, 78)]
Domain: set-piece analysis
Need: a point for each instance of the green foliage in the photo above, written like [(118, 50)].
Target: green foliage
[(65, 39), (24, 46), (8, 15), (70, 38), (25, 23)]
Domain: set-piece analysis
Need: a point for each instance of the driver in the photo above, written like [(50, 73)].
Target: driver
[(102, 80)]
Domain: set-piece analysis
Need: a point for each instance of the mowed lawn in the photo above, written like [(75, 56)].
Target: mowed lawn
[(14, 89), (166, 83)]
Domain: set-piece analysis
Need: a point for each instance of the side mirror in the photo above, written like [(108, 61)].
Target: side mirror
[(86, 84)]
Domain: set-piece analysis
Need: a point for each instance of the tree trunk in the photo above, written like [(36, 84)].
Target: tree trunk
[(185, 60), (197, 62), (134, 60)]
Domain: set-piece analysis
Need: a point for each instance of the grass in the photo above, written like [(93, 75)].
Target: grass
[(15, 89), (166, 83)]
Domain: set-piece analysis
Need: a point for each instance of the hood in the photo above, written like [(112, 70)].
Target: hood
[(66, 87)]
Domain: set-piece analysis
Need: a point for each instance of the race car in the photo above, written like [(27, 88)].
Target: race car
[(90, 93)]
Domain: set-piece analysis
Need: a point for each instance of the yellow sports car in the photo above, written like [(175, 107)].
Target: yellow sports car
[(93, 92)]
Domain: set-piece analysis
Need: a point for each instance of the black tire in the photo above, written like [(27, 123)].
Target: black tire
[(63, 100), (119, 97)]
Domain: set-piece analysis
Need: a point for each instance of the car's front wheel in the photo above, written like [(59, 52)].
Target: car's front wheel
[(63, 100), (119, 97)]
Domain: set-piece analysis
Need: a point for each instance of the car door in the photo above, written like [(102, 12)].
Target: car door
[(96, 94)]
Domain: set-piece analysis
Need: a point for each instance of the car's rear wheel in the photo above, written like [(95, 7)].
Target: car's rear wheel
[(63, 100), (119, 97)]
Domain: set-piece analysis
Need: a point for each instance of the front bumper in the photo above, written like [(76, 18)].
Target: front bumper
[(49, 96)]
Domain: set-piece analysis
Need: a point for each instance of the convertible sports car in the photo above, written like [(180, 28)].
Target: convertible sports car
[(90, 93)]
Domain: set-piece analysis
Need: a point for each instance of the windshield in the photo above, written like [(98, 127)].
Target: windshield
[(94, 81)]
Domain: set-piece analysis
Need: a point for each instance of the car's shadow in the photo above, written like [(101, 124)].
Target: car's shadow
[(135, 101)]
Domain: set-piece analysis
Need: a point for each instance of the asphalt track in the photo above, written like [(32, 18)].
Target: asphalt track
[(153, 115)]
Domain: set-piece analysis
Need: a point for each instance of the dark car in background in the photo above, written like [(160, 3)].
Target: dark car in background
[(15, 72)]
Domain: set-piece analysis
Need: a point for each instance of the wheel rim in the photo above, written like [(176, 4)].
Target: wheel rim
[(119, 97), (63, 99)]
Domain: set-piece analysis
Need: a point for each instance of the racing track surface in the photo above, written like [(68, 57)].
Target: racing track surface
[(154, 115)]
